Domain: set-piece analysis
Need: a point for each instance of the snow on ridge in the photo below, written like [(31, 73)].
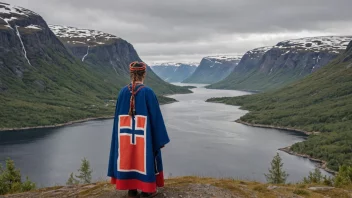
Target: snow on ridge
[(224, 58), (261, 50), (158, 64), (333, 44), (7, 9), (83, 36)]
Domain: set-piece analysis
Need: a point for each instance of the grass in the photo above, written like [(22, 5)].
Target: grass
[(178, 185)]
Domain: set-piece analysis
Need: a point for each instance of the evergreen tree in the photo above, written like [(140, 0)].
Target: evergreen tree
[(10, 179), (72, 181), (27, 185), (276, 174), (314, 177), (344, 176), (85, 173), (3, 186)]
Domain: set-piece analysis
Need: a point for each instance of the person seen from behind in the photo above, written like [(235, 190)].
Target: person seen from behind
[(138, 135)]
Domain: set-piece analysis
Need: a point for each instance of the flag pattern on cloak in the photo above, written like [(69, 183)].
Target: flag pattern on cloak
[(135, 157)]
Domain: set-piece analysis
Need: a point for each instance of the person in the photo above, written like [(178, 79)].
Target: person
[(138, 135)]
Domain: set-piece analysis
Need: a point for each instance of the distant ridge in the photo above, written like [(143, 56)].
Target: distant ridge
[(288, 61), (213, 69)]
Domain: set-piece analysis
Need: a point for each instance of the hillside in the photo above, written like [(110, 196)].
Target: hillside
[(42, 83), (321, 102), (188, 187), (108, 56), (213, 69), (174, 72), (274, 67)]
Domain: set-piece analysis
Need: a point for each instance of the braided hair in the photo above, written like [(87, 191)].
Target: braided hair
[(137, 73)]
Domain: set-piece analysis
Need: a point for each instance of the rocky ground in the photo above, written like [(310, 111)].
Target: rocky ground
[(189, 187)]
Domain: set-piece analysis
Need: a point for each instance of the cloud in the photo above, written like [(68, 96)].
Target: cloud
[(190, 29)]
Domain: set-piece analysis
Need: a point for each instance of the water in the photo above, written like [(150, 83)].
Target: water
[(204, 142)]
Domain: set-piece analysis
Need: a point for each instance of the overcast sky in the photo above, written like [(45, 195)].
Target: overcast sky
[(187, 30)]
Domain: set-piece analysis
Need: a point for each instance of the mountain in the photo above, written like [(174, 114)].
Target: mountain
[(109, 56), (174, 72), (321, 102), (288, 61), (42, 83), (213, 69)]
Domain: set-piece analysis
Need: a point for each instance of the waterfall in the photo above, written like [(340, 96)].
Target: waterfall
[(85, 55), (23, 48), (112, 65)]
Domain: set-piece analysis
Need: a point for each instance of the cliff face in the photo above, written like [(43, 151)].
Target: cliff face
[(284, 63), (41, 83), (174, 72), (213, 69), (108, 56), (26, 46)]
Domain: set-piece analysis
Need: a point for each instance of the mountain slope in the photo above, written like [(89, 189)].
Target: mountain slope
[(174, 72), (109, 56), (213, 69), (41, 82), (320, 102), (288, 61)]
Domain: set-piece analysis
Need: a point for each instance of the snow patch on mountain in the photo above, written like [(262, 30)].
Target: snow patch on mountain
[(156, 64), (333, 44), (221, 58), (36, 27), (10, 10), (78, 36)]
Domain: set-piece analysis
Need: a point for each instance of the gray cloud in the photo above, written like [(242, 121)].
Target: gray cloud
[(189, 29)]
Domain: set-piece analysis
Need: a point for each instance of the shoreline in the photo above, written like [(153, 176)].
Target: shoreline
[(66, 123), (277, 127), (56, 125), (320, 163)]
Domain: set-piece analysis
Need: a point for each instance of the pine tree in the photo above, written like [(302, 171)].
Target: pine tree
[(344, 176), (276, 174), (10, 179), (27, 185), (314, 177), (3, 186), (11, 174), (85, 173), (72, 181)]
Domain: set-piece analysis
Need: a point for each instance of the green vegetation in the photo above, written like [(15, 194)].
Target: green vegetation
[(84, 174), (321, 102), (316, 177), (10, 180), (344, 176), (276, 174), (47, 95)]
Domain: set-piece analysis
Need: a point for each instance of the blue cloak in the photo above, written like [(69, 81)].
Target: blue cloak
[(135, 157)]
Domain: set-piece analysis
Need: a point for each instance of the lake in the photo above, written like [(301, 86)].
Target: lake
[(205, 141)]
